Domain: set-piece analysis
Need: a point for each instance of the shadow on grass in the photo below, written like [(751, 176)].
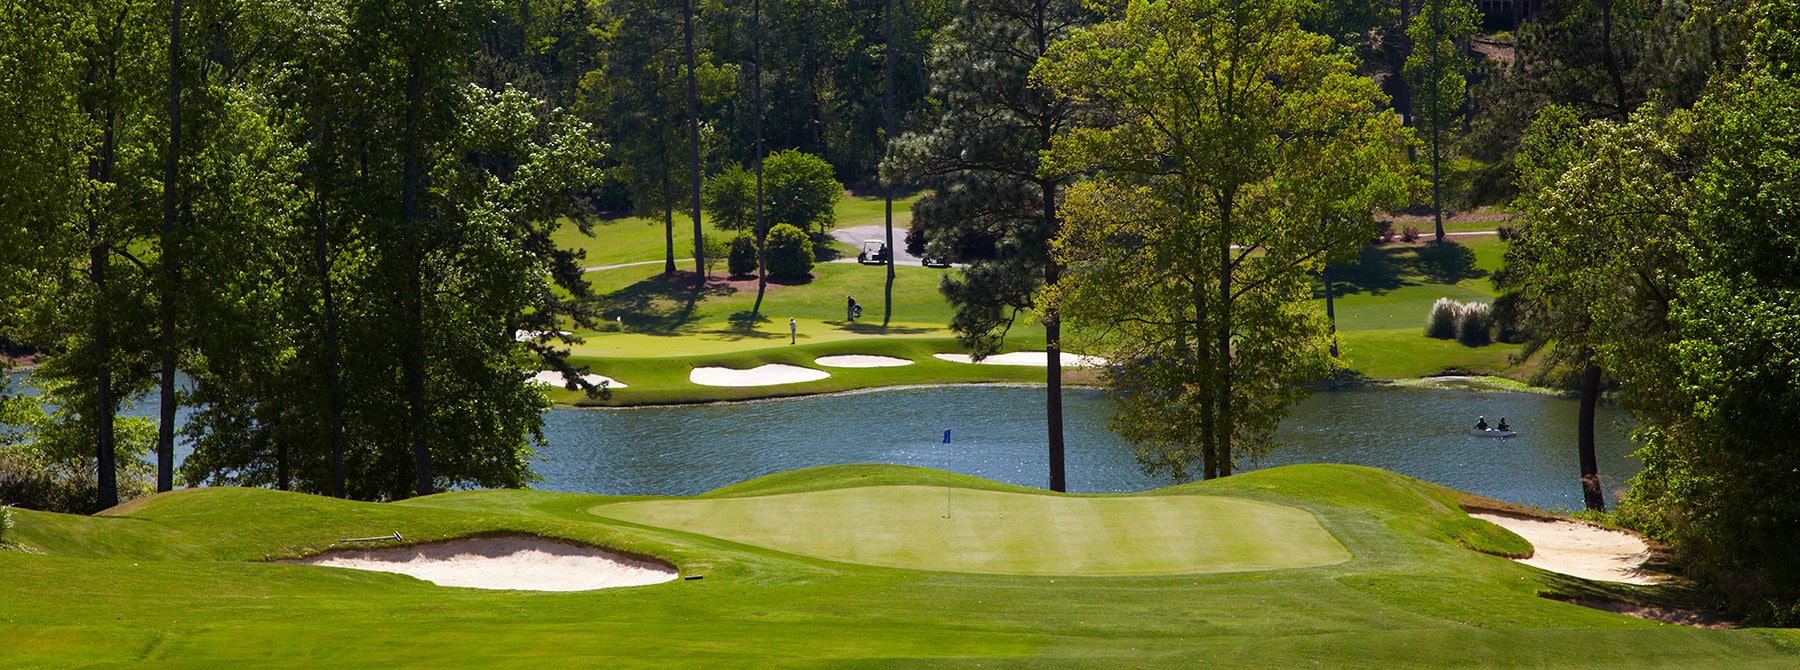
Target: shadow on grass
[(1447, 263), (878, 329), (663, 304), (1378, 270)]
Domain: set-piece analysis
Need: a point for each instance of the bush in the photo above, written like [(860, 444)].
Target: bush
[(6, 522), (30, 480), (1409, 234), (1472, 324), (1386, 234), (743, 257), (789, 253), (1506, 232), (1442, 322)]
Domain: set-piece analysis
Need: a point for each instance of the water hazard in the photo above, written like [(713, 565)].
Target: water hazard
[(998, 433)]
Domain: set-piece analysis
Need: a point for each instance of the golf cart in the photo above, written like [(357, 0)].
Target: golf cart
[(874, 252), (933, 262)]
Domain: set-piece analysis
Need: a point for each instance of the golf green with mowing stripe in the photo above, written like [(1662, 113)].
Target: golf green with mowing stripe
[(1007, 533)]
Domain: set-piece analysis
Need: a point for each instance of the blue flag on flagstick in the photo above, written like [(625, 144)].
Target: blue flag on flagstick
[(946, 437)]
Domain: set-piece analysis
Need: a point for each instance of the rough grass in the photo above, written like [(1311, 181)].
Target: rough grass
[(178, 580)]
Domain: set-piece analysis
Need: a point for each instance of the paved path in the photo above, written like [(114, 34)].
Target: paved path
[(855, 235)]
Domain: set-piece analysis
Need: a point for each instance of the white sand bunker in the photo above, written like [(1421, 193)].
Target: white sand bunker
[(517, 562), (1036, 358), (1579, 549), (861, 361), (762, 375), (557, 379)]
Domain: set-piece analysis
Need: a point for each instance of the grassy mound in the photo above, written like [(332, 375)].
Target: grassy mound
[(181, 579)]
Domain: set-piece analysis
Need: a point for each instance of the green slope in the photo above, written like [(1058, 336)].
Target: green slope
[(179, 580)]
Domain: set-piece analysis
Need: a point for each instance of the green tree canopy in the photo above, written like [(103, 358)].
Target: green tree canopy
[(1241, 150), (799, 190)]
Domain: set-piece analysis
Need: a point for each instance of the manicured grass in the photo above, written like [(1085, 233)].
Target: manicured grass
[(937, 528), (653, 381), (177, 580)]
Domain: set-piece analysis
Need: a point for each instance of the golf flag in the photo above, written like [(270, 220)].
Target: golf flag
[(946, 437)]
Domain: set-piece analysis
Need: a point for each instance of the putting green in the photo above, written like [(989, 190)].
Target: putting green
[(1007, 533)]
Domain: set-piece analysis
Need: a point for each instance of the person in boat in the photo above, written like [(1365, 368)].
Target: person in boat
[(1502, 425), (1481, 424)]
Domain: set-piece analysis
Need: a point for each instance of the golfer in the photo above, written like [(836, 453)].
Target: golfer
[(793, 330)]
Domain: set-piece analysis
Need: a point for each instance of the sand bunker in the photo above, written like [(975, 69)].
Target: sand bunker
[(554, 378), (1579, 549), (762, 375), (1026, 358), (861, 361), (514, 562)]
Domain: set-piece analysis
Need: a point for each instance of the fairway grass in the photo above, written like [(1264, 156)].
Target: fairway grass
[(938, 528), (182, 580)]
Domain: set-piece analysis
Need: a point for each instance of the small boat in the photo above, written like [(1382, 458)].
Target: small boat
[(1492, 432)]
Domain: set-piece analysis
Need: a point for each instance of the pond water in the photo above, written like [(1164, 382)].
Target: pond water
[(997, 433)]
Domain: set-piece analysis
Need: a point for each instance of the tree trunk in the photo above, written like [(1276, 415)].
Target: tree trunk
[(333, 365), (1590, 466), (412, 339), (1226, 428), (668, 217), (762, 260), (100, 170), (887, 190), (1437, 122), (1330, 309), (1203, 357), (165, 427), (1053, 406), (693, 110)]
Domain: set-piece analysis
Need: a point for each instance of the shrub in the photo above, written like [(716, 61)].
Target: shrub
[(789, 253), (30, 480), (743, 256), (1472, 324), (1409, 234), (1386, 234), (1506, 232), (1442, 322)]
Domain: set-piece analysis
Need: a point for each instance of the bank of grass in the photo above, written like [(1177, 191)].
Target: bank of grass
[(178, 580)]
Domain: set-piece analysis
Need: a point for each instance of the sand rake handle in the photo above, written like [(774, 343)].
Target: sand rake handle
[(395, 537)]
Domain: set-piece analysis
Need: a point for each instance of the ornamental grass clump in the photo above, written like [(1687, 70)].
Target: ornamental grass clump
[(1472, 324), (1442, 322)]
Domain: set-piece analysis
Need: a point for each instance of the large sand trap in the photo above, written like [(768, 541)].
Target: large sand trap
[(514, 562), (1026, 358), (762, 375), (1579, 549), (554, 378), (861, 361)]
